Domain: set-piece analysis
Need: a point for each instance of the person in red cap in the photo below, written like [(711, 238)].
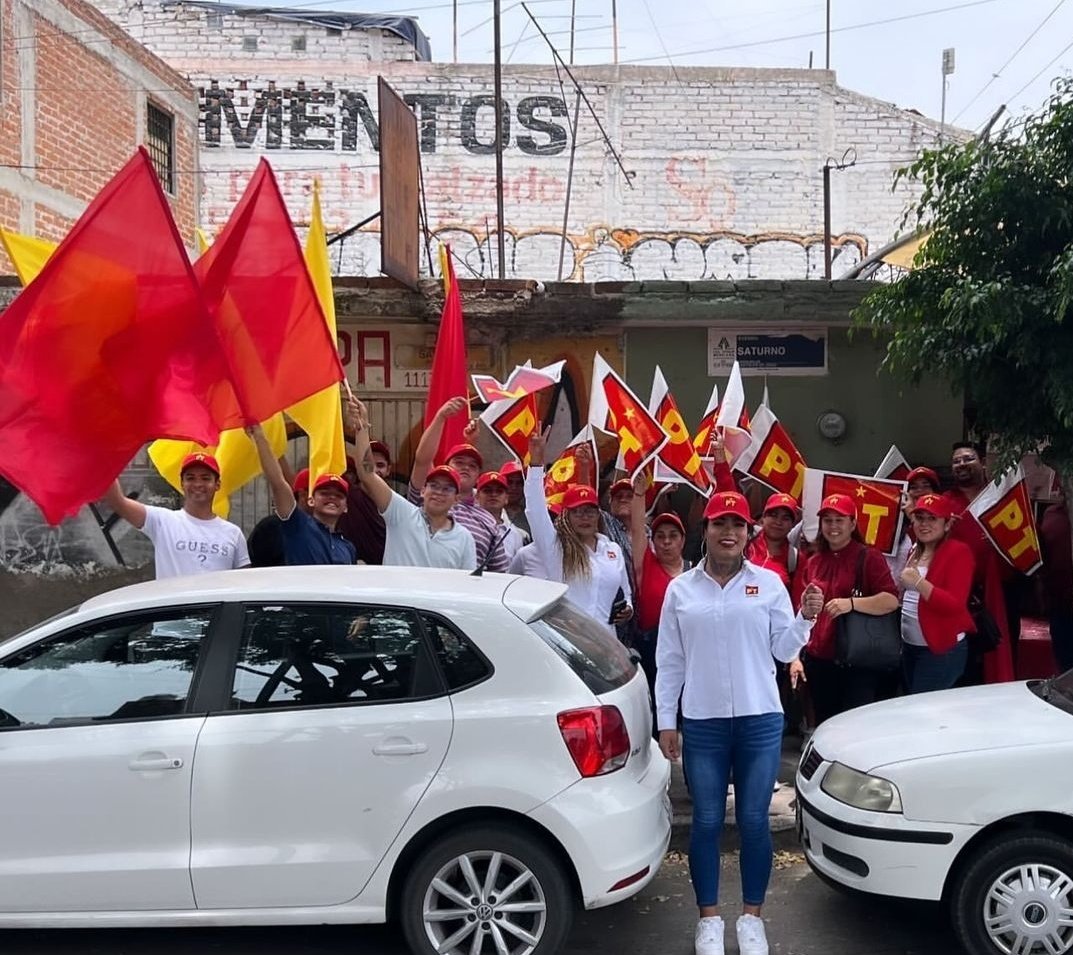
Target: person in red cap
[(842, 566), (721, 624), (265, 541), (362, 524), (514, 475), (417, 536), (573, 550), (191, 540), (936, 582), (492, 496), (467, 461), (311, 538), (919, 481)]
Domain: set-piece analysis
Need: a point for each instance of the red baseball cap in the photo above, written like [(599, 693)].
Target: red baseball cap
[(380, 448), (331, 480), (445, 470), (202, 459), (840, 504), (491, 477), (927, 474), (622, 484), (555, 507), (580, 495), (722, 503), (782, 500), (668, 517), (933, 504), (511, 467), (464, 451), (301, 481)]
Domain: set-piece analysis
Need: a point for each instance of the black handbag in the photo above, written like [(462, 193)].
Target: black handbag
[(987, 636), (866, 641)]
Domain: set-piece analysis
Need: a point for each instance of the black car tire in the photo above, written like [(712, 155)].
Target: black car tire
[(546, 893), (994, 877)]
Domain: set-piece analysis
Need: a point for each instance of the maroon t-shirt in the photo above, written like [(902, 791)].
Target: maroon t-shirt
[(835, 573)]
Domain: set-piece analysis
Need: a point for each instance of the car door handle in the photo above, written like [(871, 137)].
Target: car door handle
[(155, 762), (399, 747)]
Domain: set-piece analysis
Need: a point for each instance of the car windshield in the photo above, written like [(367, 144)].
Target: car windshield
[(1058, 690), (593, 654)]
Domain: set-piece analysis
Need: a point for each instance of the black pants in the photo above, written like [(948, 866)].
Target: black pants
[(644, 645), (835, 689)]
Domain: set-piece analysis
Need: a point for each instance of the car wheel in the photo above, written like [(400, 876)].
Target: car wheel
[(1015, 897), (486, 889)]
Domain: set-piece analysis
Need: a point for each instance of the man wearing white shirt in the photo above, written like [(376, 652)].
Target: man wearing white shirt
[(722, 624)]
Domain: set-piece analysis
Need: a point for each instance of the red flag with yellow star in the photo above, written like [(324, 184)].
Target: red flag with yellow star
[(878, 501), (617, 410), (514, 422), (678, 454), (772, 457), (1005, 513), (567, 470)]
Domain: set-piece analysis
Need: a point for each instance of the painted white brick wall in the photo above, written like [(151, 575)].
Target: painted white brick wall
[(725, 164)]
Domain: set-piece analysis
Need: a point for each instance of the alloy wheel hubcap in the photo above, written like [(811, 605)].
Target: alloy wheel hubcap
[(484, 902), (1029, 909)]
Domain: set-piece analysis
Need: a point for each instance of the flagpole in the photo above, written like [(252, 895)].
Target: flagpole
[(501, 249)]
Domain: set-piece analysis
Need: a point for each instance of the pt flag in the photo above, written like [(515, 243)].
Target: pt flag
[(27, 253), (567, 471), (681, 463), (733, 418), (524, 380), (615, 409), (702, 439), (449, 378), (271, 328), (878, 500), (321, 415), (1005, 513), (104, 350), (513, 422), (893, 465), (772, 457)]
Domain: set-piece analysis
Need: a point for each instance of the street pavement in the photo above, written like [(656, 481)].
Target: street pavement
[(804, 916)]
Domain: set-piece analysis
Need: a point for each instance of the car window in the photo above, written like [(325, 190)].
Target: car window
[(461, 663), (316, 655), (134, 667), (590, 651)]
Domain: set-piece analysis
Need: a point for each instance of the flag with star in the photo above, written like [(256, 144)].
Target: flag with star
[(615, 409), (878, 501), (680, 461)]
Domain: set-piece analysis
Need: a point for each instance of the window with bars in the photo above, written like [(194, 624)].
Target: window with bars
[(160, 142)]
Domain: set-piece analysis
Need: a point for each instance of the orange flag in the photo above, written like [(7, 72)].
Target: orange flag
[(878, 500), (678, 455), (105, 350), (772, 457), (271, 327), (1005, 513), (617, 410), (449, 378)]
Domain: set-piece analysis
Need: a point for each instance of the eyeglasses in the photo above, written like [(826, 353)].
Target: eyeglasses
[(439, 488)]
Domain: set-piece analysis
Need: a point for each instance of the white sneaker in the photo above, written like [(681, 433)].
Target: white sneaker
[(709, 937), (752, 939)]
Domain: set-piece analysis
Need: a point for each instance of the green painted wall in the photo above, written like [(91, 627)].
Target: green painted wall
[(922, 421)]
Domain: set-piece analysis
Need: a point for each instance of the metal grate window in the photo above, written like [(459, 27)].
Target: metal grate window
[(160, 141)]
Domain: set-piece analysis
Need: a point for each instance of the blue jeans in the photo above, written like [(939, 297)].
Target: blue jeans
[(1062, 640), (924, 670), (751, 746)]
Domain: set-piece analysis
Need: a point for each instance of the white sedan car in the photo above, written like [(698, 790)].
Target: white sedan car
[(963, 797), (471, 756)]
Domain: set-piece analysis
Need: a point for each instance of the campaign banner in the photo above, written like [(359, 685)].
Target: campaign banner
[(772, 457), (1005, 513), (878, 500)]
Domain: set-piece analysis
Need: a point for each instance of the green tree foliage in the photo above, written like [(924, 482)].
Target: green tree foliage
[(988, 306)]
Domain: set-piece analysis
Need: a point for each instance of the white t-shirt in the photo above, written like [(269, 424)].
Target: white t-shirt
[(527, 562), (412, 543), (188, 545)]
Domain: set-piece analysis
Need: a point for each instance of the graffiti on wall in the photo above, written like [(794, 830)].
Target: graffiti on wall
[(622, 255)]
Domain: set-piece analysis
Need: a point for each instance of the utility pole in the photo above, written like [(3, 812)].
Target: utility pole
[(614, 29), (948, 69), (827, 221), (454, 31), (573, 24), (501, 247), (827, 35)]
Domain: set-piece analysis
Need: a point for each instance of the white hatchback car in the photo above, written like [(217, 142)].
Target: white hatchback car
[(963, 797), (469, 755)]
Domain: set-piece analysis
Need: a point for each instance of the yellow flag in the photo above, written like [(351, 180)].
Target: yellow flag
[(321, 414), (27, 254), (236, 454)]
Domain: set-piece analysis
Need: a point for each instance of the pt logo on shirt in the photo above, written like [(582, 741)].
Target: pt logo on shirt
[(752, 590), (611, 555)]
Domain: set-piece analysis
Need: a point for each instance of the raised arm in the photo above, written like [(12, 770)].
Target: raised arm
[(545, 540), (638, 537), (430, 440), (724, 477), (375, 486), (126, 507), (282, 492)]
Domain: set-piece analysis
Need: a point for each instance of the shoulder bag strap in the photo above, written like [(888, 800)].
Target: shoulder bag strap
[(858, 589)]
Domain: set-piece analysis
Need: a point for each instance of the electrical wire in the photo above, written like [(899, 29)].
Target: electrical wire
[(1013, 56), (1045, 68)]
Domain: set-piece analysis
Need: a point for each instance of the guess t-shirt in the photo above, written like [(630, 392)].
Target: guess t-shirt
[(188, 545)]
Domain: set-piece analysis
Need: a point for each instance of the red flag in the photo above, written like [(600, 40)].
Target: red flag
[(275, 340), (1005, 513), (566, 471), (678, 454), (514, 423), (878, 500), (108, 348), (524, 380), (449, 378), (617, 410), (772, 457), (893, 465)]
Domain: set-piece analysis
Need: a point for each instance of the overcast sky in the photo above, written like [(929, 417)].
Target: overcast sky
[(895, 61)]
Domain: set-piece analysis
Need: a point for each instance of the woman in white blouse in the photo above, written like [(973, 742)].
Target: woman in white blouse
[(573, 550), (722, 624)]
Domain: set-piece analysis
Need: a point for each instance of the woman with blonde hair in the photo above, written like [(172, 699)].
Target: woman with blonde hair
[(573, 550)]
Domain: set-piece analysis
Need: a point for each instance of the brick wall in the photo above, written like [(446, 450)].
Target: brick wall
[(72, 111)]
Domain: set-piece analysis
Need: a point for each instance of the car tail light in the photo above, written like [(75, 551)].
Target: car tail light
[(597, 739)]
